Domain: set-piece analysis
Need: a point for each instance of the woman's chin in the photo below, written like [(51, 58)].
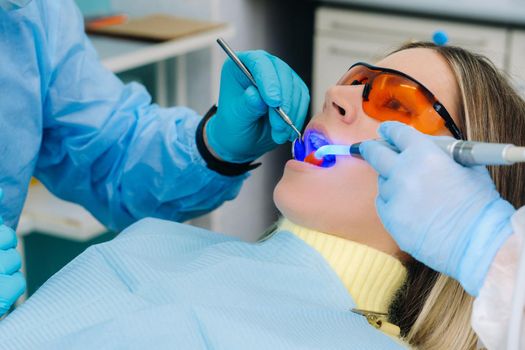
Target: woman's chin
[(294, 204)]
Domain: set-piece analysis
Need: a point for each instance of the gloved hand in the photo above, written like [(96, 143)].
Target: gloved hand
[(448, 216), (12, 283), (244, 128)]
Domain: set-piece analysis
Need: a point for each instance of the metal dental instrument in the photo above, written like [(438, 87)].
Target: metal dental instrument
[(467, 153), (471, 153), (249, 75)]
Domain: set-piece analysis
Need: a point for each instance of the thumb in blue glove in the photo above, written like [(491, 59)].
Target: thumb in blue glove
[(448, 216), (244, 127), (12, 283)]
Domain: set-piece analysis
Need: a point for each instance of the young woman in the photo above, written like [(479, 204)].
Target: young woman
[(329, 277)]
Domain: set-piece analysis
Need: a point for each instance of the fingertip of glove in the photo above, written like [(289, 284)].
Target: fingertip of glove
[(15, 285), (279, 137), (7, 237), (273, 96), (293, 137), (280, 131), (386, 128), (15, 260), (364, 148), (254, 100), (254, 104)]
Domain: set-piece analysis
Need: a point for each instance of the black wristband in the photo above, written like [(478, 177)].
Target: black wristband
[(217, 165)]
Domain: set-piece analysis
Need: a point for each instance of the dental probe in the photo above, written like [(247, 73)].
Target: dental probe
[(249, 75), (467, 153)]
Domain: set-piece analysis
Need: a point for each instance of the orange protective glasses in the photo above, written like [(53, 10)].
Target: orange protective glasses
[(390, 95)]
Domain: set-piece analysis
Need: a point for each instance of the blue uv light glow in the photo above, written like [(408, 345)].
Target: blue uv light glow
[(313, 140), (298, 150)]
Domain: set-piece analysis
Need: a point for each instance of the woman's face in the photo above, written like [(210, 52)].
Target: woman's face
[(341, 199)]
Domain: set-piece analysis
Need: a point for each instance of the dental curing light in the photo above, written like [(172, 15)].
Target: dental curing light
[(334, 150), (303, 149), (324, 156), (467, 153)]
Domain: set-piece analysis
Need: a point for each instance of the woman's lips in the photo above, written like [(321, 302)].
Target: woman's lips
[(301, 166), (313, 138)]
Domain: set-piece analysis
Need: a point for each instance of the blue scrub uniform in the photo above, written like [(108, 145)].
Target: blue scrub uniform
[(90, 139), (164, 285)]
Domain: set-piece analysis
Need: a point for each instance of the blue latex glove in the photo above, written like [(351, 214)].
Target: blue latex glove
[(12, 283), (244, 128), (445, 215)]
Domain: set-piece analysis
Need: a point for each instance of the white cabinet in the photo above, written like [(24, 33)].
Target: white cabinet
[(516, 66), (343, 37)]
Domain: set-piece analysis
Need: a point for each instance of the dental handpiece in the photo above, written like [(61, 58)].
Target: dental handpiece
[(467, 153), (249, 75)]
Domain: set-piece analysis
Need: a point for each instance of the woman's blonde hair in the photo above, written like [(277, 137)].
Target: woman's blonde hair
[(432, 309)]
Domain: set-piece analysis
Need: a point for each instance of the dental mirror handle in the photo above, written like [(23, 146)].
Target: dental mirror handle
[(222, 43), (469, 153)]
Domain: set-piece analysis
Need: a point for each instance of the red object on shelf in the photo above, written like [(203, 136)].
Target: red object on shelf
[(106, 21)]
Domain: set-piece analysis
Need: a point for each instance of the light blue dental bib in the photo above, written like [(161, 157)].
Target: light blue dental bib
[(163, 285)]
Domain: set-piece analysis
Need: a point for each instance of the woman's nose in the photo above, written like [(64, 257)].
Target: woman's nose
[(343, 102)]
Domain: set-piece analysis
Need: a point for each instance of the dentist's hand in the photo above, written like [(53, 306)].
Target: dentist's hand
[(12, 283), (448, 216), (244, 127)]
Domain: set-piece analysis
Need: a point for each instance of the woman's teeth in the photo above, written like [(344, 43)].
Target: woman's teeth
[(316, 140)]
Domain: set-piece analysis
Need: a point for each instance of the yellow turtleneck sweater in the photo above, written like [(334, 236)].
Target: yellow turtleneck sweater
[(371, 277)]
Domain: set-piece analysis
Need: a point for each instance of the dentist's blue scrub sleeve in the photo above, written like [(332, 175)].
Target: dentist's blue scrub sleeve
[(89, 138), (164, 285)]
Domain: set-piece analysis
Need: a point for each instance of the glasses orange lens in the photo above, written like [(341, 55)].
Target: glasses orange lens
[(393, 97), (396, 98)]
